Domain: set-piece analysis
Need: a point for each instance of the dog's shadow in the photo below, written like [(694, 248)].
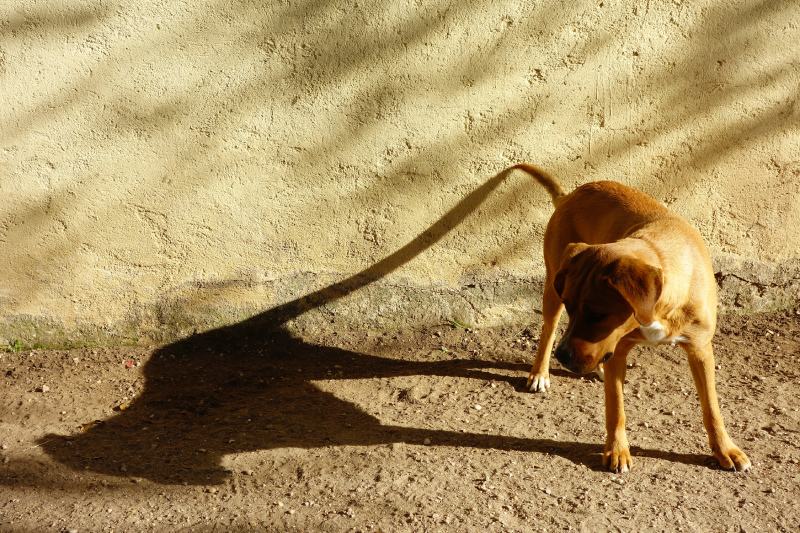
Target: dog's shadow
[(226, 392), (249, 387)]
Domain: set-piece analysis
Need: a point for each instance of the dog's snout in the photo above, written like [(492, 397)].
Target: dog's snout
[(564, 354)]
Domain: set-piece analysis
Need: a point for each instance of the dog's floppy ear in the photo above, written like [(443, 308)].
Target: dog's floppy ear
[(558, 281), (572, 249), (639, 283)]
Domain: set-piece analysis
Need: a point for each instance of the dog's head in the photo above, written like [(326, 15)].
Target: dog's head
[(607, 295)]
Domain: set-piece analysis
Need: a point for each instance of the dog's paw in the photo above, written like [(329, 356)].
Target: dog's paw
[(732, 458), (538, 382), (617, 458)]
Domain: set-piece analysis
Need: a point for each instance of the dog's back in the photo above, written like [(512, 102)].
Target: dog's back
[(605, 211)]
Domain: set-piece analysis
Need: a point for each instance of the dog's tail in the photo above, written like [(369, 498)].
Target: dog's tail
[(545, 179)]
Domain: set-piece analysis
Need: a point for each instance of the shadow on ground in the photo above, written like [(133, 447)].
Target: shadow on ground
[(249, 386), (233, 390)]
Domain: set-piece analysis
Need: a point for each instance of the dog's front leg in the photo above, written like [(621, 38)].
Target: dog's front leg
[(617, 454), (701, 361), (539, 377)]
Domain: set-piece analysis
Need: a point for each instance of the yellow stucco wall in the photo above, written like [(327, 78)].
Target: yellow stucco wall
[(165, 165)]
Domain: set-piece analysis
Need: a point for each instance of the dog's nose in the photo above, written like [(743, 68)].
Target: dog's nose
[(564, 354)]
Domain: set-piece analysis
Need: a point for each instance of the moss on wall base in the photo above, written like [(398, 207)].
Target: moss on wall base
[(745, 286)]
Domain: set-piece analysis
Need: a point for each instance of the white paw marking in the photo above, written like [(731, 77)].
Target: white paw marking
[(539, 384)]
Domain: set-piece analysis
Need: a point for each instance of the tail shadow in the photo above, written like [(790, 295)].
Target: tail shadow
[(249, 386)]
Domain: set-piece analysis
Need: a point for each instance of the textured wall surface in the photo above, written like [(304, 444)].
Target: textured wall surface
[(165, 166)]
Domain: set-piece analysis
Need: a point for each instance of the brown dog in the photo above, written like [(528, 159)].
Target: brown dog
[(628, 271)]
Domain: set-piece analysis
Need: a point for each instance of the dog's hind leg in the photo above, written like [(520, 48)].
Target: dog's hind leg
[(701, 361), (539, 377)]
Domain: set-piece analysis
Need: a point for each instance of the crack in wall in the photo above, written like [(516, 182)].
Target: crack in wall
[(762, 287)]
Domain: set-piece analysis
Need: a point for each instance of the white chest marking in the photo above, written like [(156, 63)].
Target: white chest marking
[(656, 333)]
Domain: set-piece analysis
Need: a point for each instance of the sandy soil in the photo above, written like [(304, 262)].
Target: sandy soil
[(419, 431)]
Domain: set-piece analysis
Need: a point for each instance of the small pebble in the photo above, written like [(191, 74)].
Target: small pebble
[(426, 441), (477, 407), (43, 388)]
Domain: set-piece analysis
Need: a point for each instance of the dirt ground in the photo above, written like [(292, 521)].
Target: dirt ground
[(240, 430)]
